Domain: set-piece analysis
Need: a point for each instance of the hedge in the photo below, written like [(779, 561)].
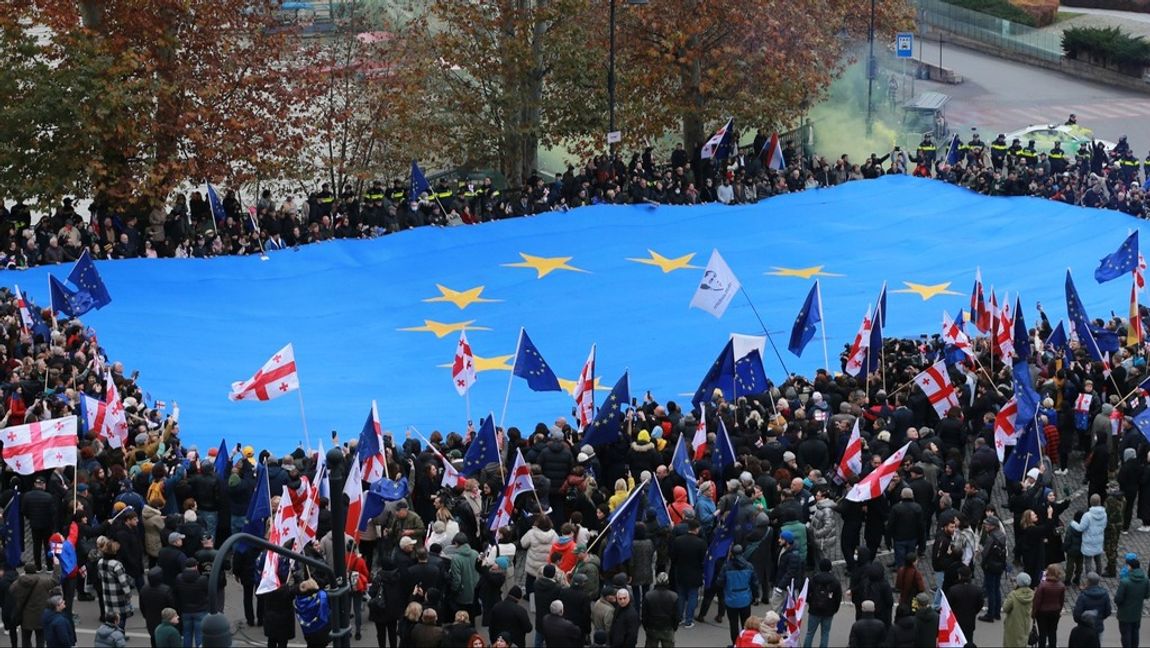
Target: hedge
[(997, 8), (1140, 6), (1107, 46)]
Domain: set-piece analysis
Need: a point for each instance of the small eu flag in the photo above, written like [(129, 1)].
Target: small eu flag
[(1120, 262), (530, 366), (804, 328)]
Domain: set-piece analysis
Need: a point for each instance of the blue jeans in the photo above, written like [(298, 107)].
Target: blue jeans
[(992, 588), (938, 579), (903, 548), (209, 519), (193, 628), (238, 522), (688, 600), (813, 622)]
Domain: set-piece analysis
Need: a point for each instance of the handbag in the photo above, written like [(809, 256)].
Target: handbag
[(1032, 640)]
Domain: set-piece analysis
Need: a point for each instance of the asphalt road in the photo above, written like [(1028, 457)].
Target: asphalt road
[(1000, 96)]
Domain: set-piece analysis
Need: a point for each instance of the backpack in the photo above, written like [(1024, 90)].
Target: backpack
[(572, 493), (377, 603), (821, 596)]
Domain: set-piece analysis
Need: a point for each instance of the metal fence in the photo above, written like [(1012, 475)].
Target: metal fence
[(1046, 45)]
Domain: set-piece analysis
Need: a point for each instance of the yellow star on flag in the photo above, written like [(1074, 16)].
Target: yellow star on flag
[(494, 363), (666, 264), (802, 273), (461, 298), (440, 329), (927, 291), (569, 385), (544, 265)]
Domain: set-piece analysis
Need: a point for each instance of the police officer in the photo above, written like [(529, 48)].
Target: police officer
[(1014, 153), (998, 150), (398, 193), (1129, 166), (1057, 158), (322, 204), (975, 149), (489, 198), (1029, 154), (1122, 147), (927, 151)]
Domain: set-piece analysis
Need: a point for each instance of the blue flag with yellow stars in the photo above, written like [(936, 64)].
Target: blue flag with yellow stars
[(1079, 322), (1057, 338), (1142, 422), (483, 450), (86, 279), (1027, 453), (530, 366), (720, 376), (878, 322), (419, 183), (607, 428), (622, 531), (1021, 334), (1122, 261), (217, 206), (72, 303), (804, 328), (750, 376), (724, 455), (721, 544)]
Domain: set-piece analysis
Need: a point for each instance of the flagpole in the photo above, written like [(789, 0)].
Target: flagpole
[(823, 321), (303, 416), (765, 331), (611, 520), (511, 380), (880, 309)]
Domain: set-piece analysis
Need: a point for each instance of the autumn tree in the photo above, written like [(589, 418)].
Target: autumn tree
[(687, 63), (142, 98), (374, 103), (514, 75)]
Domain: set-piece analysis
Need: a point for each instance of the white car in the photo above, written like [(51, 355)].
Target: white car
[(1045, 135)]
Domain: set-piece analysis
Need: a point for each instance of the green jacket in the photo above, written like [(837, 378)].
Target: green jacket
[(1132, 591), (167, 636), (464, 575), (1016, 619)]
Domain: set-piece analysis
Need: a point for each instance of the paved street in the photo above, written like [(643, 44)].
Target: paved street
[(1001, 96)]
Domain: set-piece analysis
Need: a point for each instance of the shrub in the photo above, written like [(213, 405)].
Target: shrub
[(1142, 6), (997, 8), (1107, 46)]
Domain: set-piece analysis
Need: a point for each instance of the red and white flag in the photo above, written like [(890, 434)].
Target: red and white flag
[(876, 482), (1004, 427), (1004, 334), (41, 445), (979, 314), (1140, 273), (585, 392), (773, 154), (116, 421), (949, 632), (1134, 334), (309, 518), (954, 336), (284, 528), (935, 383), (353, 488), (277, 377), (25, 315), (451, 477), (793, 614), (856, 358), (699, 441), (518, 482), (851, 463), (463, 368)]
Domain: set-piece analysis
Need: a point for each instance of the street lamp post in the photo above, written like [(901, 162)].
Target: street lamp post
[(870, 74)]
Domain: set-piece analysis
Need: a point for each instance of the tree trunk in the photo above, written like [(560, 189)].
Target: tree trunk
[(693, 121), (533, 115), (92, 14)]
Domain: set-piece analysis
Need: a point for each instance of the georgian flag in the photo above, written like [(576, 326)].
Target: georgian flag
[(116, 420), (851, 463), (284, 528), (277, 377), (949, 632), (1004, 335), (518, 482), (876, 482), (856, 357), (585, 392), (353, 488), (26, 322), (463, 367), (979, 314), (699, 441), (793, 614), (1004, 428), (954, 336), (935, 383), (309, 518), (714, 146), (41, 445)]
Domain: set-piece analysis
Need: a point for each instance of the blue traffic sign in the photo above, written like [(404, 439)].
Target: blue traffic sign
[(904, 44)]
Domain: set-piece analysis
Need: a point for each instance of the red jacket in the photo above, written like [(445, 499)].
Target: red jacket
[(356, 564)]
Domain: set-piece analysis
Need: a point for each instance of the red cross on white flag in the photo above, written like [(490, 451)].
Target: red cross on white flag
[(935, 383), (277, 377), (585, 392), (876, 482), (851, 463), (1004, 427), (463, 367), (38, 446), (861, 345), (950, 634), (954, 336)]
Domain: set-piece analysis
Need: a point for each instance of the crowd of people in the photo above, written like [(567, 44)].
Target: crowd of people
[(192, 226), (136, 527)]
